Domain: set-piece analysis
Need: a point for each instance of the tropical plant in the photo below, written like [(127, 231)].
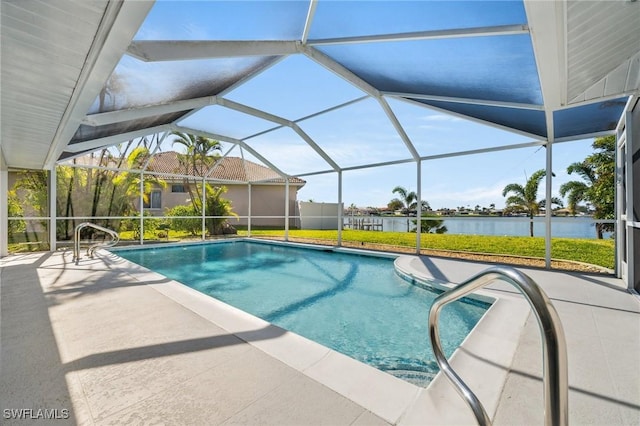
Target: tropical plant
[(217, 206), (133, 224), (192, 225), (430, 226), (395, 204), (129, 182), (525, 198), (96, 192), (598, 183), (15, 210), (408, 200), (30, 192), (200, 155)]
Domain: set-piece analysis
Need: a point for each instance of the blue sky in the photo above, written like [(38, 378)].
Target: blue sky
[(357, 134)]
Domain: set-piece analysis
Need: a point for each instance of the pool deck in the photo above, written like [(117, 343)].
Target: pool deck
[(114, 343)]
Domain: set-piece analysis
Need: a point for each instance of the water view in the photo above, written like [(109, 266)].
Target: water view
[(561, 227)]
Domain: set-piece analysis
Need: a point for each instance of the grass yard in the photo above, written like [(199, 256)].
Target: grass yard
[(591, 251)]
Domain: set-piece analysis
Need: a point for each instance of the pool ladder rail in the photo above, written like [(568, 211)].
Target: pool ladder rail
[(115, 238), (554, 348)]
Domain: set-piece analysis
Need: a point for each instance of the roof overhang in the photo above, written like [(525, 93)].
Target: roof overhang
[(56, 61)]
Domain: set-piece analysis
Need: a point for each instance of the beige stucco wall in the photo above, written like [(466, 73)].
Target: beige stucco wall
[(266, 200)]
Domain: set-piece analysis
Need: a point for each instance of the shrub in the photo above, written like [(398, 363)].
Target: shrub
[(191, 225)]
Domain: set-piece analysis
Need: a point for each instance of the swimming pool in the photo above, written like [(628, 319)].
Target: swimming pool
[(354, 304)]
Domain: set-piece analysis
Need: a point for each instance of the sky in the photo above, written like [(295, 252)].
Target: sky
[(359, 133)]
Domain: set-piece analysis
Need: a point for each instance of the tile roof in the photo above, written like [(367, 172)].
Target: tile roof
[(228, 168)]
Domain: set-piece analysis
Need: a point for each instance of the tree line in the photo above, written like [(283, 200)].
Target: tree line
[(100, 192), (595, 187)]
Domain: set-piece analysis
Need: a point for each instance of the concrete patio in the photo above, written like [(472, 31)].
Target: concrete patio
[(114, 344)]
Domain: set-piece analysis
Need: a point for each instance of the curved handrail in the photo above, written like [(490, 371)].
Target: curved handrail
[(76, 239), (556, 393)]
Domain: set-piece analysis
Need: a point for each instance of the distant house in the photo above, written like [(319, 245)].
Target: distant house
[(267, 188)]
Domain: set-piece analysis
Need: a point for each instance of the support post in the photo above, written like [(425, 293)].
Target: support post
[(419, 209), (286, 209), (4, 207), (620, 225), (340, 220), (249, 212), (203, 200), (142, 208), (53, 214), (547, 213), (630, 222)]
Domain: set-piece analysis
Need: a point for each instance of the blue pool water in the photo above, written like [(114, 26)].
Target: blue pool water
[(353, 304)]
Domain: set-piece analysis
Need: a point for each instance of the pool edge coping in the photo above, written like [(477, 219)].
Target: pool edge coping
[(489, 347)]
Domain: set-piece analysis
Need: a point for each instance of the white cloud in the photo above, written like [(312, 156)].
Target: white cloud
[(430, 127), (482, 195), (442, 118)]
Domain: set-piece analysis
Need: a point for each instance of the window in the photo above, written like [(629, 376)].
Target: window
[(154, 200), (178, 187)]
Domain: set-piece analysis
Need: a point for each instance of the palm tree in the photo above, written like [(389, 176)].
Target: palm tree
[(200, 155), (409, 201), (598, 182), (524, 198), (200, 152), (577, 191), (130, 182)]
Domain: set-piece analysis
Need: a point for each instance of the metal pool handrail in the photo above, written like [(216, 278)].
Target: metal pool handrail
[(554, 348), (76, 239)]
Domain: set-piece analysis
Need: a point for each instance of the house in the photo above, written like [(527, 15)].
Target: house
[(267, 188)]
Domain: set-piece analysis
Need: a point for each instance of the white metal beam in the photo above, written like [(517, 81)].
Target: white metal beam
[(160, 141), (179, 50), (333, 108), (548, 193), (547, 22), (245, 109), (286, 209), (218, 162), (252, 75), (419, 208), (103, 118), (316, 114), (426, 35), (314, 146), (283, 122), (321, 172), (240, 82), (350, 77), (119, 25), (394, 121), (116, 139), (547, 25), (474, 119), (307, 25), (53, 213), (234, 141), (464, 100), (382, 164), (484, 150), (340, 71)]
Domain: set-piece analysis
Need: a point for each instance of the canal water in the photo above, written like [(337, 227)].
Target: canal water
[(561, 227)]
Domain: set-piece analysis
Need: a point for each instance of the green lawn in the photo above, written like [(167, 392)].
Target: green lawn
[(592, 251)]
